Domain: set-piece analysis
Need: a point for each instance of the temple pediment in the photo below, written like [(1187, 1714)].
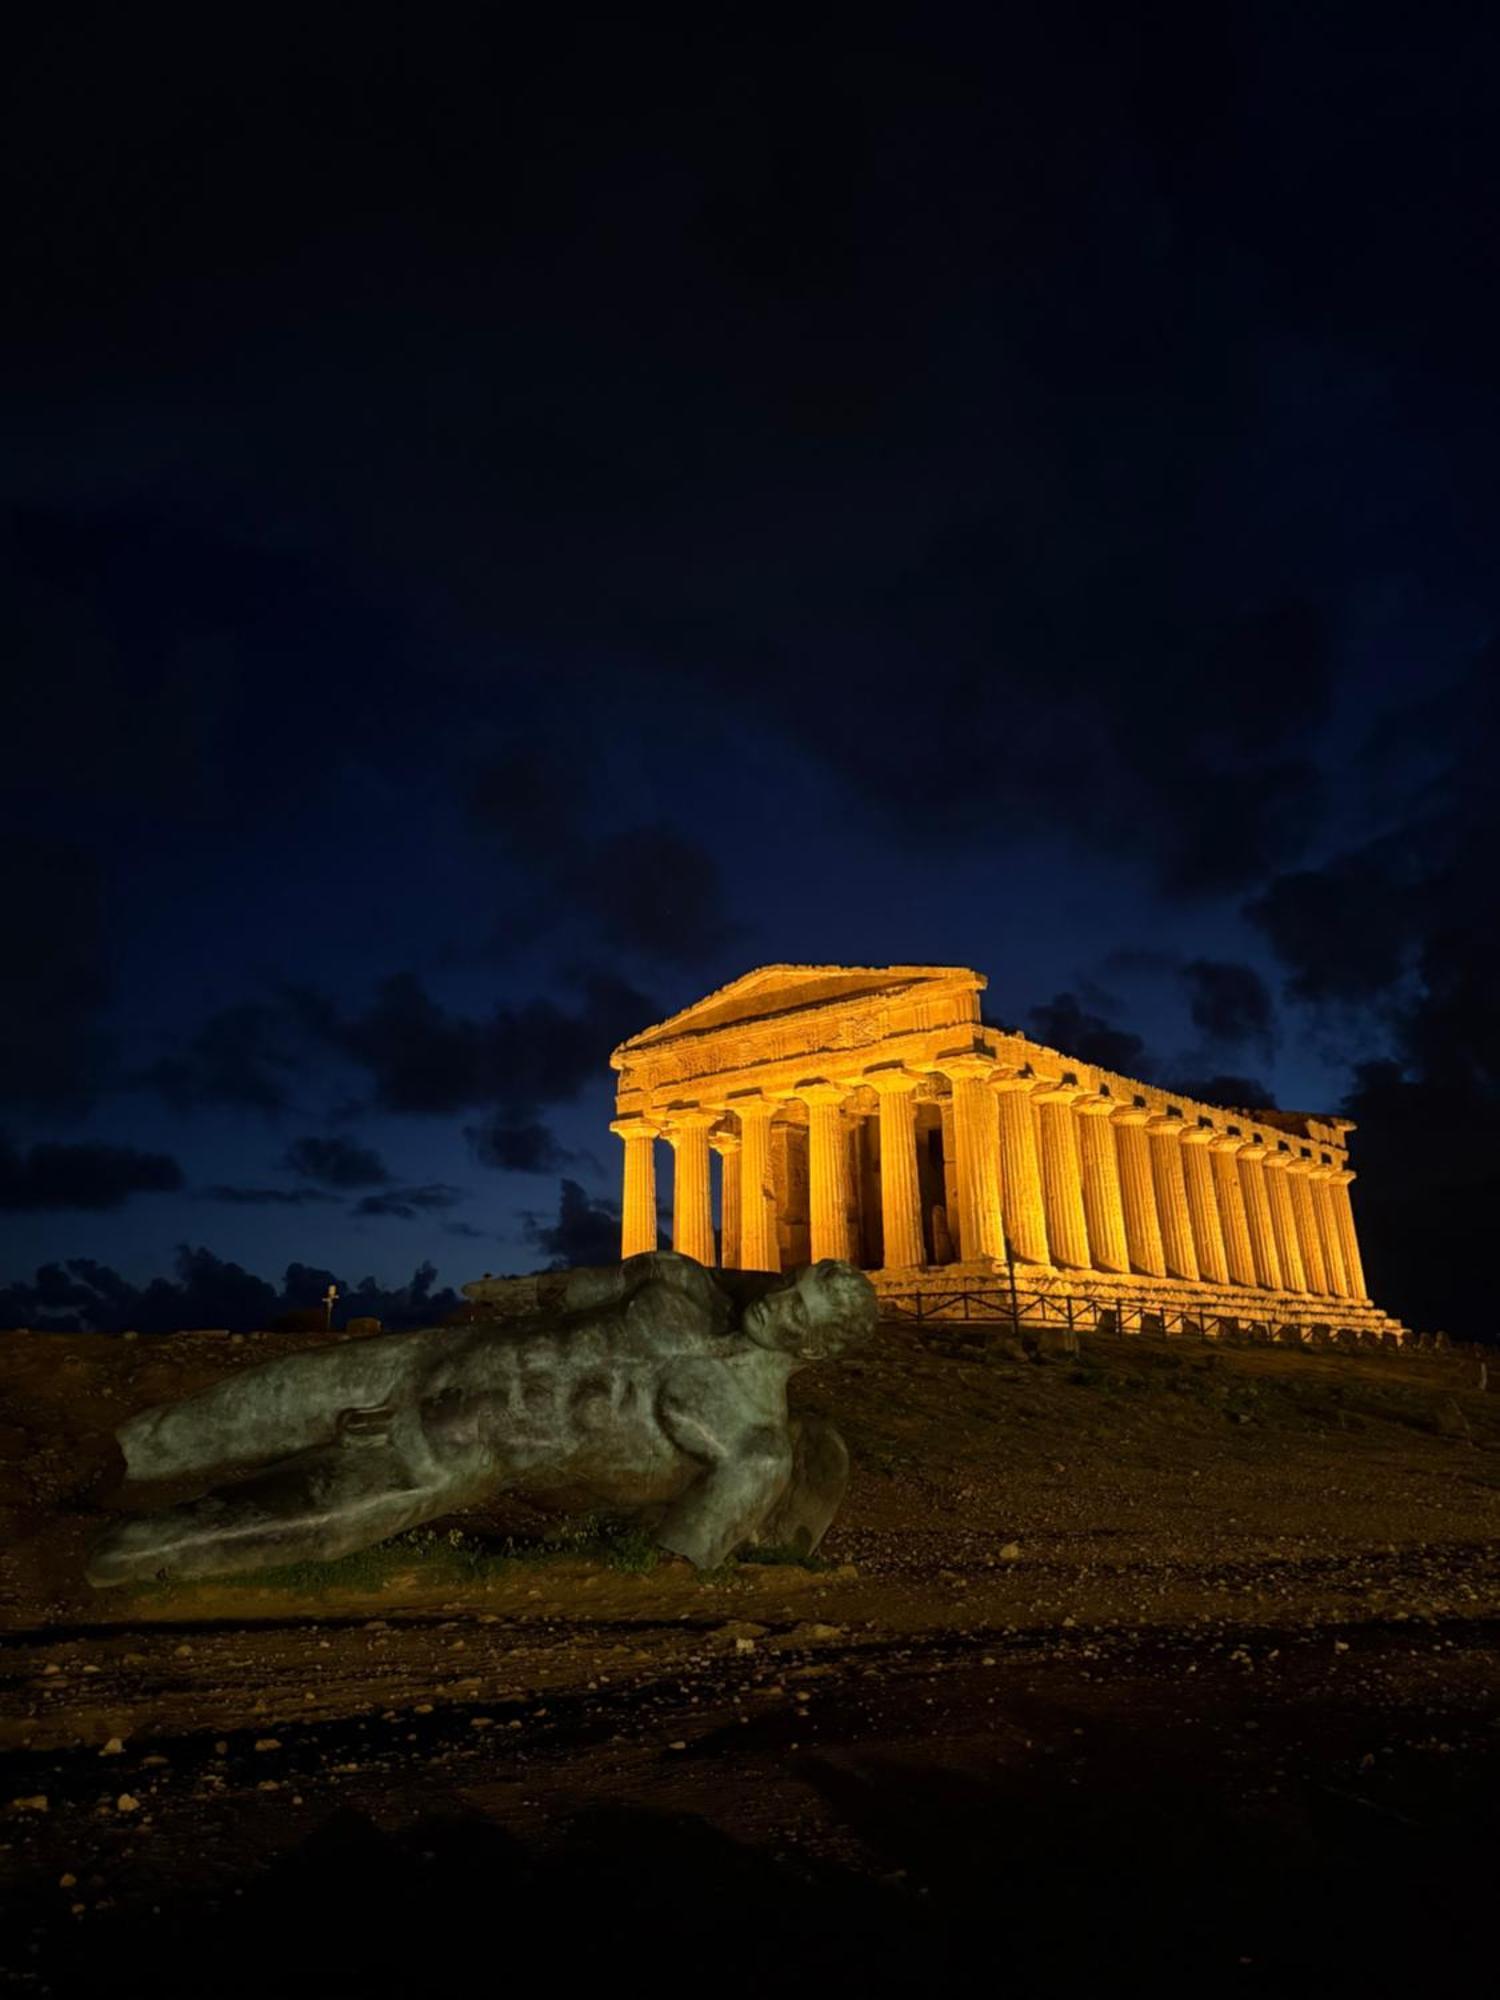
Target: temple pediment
[(774, 990)]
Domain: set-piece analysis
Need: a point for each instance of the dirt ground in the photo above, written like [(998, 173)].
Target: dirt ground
[(1168, 1662)]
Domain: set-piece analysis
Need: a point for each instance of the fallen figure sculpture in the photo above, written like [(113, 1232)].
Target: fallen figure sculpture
[(654, 1384)]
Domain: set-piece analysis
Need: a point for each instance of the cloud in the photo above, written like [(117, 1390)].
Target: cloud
[(1063, 1024), (587, 1230), (647, 888), (86, 1176), (1234, 1093), (208, 1291), (1352, 929), (1397, 937), (264, 1197), (53, 977), (337, 1163), (423, 1059), (408, 1203), (1230, 1002), (243, 1056), (527, 1148)]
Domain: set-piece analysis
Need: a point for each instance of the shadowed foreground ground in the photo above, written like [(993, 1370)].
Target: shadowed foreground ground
[(1172, 1666)]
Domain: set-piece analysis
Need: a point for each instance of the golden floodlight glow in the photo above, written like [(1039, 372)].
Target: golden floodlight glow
[(869, 1113)]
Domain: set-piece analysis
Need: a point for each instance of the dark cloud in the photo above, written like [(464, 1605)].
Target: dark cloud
[(1398, 938), (337, 1163), (165, 650), (1234, 1093), (1192, 727), (1230, 1002), (51, 1175), (587, 1230), (423, 1059), (208, 1291), (243, 1056), (1062, 1023), (409, 1203), (54, 978), (652, 890), (264, 1197), (1351, 929), (646, 889), (527, 1148)]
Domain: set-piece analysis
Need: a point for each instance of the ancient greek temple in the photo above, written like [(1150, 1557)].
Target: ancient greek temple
[(869, 1113)]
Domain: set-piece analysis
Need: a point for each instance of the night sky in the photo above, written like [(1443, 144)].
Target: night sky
[(505, 531)]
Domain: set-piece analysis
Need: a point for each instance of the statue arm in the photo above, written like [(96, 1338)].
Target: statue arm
[(746, 1456), (588, 1290)]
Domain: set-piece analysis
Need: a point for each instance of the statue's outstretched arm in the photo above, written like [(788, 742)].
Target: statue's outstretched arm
[(746, 1455), (587, 1289)]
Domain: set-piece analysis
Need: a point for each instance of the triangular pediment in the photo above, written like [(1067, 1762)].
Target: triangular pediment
[(783, 989)]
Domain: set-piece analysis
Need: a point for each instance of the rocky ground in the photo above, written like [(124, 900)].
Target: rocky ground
[(1167, 1663)]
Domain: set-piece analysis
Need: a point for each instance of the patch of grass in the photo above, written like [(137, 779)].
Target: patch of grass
[(616, 1541), (449, 1558), (772, 1556)]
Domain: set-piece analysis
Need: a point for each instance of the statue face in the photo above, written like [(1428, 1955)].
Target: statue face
[(823, 1310)]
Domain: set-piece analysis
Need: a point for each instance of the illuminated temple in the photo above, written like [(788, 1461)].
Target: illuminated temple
[(870, 1113)]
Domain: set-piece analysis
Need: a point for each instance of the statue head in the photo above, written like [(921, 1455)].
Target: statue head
[(822, 1310)]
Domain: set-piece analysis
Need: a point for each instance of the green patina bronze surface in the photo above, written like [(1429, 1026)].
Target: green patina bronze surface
[(653, 1384)]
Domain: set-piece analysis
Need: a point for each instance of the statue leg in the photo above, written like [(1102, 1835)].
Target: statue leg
[(266, 1413), (820, 1473), (311, 1508)]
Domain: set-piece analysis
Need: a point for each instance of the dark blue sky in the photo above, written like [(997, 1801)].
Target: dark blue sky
[(504, 533)]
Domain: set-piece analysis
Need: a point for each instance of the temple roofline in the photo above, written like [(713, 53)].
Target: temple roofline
[(890, 978)]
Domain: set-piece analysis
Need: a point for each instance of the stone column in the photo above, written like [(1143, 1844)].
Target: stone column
[(1164, 1144), (1252, 1170), (1223, 1151), (976, 1147), (828, 1169), (1284, 1220), (1328, 1232), (727, 1146), (1142, 1228), (1062, 1177), (638, 1203), (1309, 1241), (1020, 1170), (1343, 1215), (758, 1248), (950, 1185), (692, 1201), (1203, 1207), (900, 1193), (1102, 1206)]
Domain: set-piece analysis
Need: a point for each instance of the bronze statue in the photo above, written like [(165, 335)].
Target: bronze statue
[(654, 1384)]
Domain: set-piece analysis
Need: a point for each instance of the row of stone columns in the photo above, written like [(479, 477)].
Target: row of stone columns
[(1071, 1179)]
